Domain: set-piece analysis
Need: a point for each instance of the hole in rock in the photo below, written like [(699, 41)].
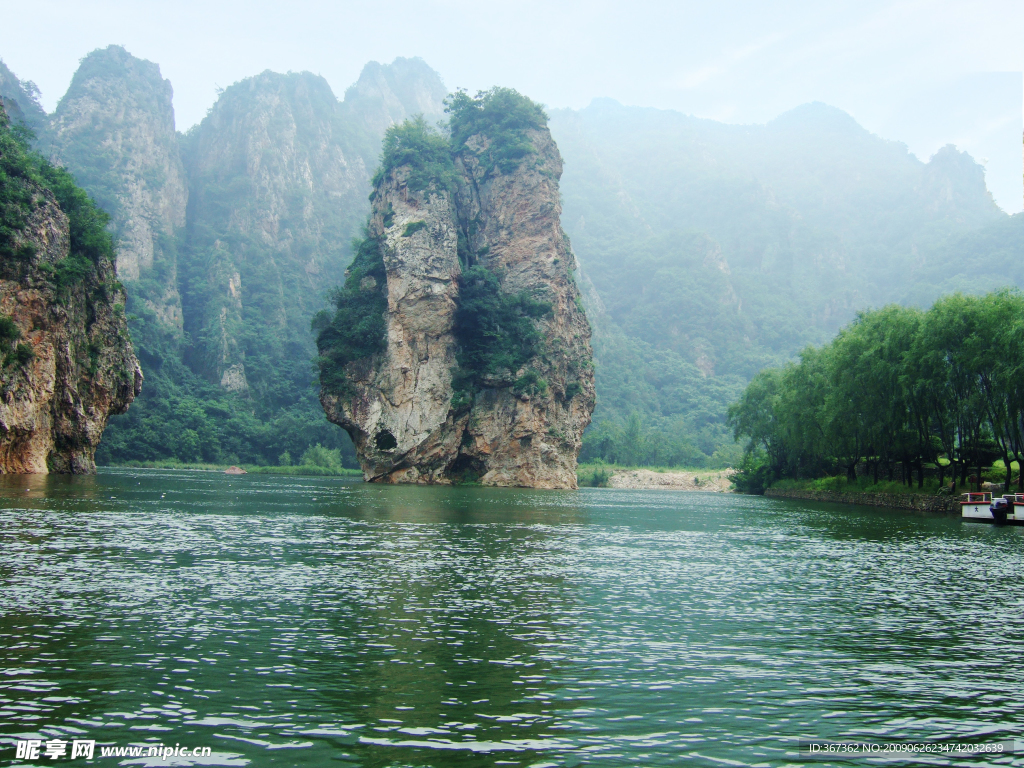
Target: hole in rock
[(385, 441)]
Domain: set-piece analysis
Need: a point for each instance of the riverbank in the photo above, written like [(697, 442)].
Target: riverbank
[(916, 501), (646, 479), (304, 470), (604, 476)]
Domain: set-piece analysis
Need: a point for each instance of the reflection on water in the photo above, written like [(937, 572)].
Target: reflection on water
[(290, 621)]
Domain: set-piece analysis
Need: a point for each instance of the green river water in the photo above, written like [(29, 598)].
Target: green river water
[(323, 622)]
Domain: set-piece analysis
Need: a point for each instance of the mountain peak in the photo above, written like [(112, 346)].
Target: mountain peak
[(818, 117), (386, 94), (21, 100)]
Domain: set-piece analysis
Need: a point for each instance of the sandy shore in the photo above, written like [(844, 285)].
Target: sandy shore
[(717, 481)]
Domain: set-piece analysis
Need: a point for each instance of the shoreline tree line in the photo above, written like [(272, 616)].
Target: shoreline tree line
[(938, 391)]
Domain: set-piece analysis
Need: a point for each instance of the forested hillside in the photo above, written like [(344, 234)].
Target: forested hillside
[(708, 251), (716, 250), (899, 388), (228, 239)]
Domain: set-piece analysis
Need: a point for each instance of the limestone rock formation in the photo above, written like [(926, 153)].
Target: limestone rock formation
[(67, 360), (512, 224), (278, 180), (114, 130), (409, 433), (448, 394)]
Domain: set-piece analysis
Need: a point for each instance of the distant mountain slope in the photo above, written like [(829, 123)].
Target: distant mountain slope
[(977, 261), (114, 130), (276, 190), (708, 250), (229, 238), (278, 182), (21, 100), (729, 248)]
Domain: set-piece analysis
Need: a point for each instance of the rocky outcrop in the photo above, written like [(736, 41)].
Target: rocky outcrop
[(417, 409), (114, 130), (67, 360), (278, 176), (512, 225), (399, 415)]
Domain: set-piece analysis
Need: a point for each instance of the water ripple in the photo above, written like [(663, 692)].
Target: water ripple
[(293, 621)]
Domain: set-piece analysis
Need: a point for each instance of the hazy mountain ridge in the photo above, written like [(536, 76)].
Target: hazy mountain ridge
[(114, 131), (21, 100), (229, 237), (712, 250), (730, 247)]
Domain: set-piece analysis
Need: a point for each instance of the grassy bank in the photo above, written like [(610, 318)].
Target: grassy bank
[(841, 484), (310, 470)]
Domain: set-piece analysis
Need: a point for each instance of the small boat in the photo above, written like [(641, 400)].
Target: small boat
[(982, 508)]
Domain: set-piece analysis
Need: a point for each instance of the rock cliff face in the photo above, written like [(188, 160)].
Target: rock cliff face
[(400, 417), (114, 130), (278, 180), (67, 360), (512, 225), (423, 407)]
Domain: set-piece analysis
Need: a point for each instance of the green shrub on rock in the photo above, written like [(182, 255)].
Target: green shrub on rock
[(356, 328)]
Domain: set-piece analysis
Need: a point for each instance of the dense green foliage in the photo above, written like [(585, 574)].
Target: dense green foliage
[(899, 386), (13, 352), (496, 333), (266, 232), (24, 178), (502, 116), (182, 416), (356, 329), (716, 250), (420, 148), (19, 184)]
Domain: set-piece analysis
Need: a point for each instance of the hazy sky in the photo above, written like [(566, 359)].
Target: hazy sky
[(925, 72)]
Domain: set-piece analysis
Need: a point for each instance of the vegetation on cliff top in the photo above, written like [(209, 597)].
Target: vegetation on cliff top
[(23, 176), (940, 389), (502, 116), (423, 150)]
